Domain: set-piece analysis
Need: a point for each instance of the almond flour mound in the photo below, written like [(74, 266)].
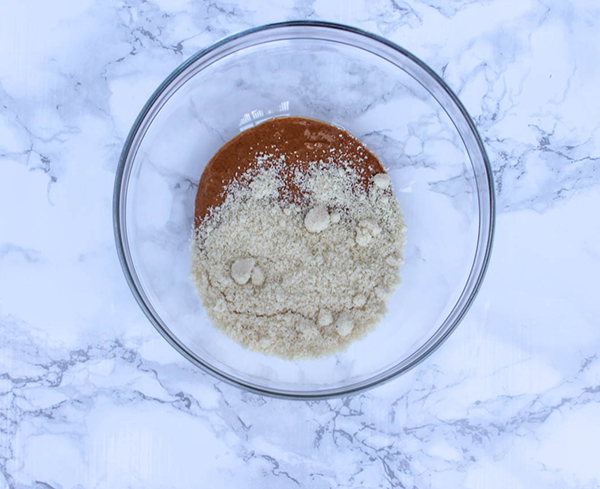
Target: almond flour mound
[(299, 279)]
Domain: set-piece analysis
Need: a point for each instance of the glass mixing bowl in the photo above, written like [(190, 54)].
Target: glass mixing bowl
[(377, 91)]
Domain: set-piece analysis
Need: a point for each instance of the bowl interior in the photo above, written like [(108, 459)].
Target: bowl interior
[(377, 93)]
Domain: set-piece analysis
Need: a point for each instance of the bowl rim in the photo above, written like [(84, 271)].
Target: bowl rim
[(326, 393)]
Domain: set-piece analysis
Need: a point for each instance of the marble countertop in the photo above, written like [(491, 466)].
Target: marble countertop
[(93, 397)]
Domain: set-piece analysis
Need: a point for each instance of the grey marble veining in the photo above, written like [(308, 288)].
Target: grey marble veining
[(93, 397)]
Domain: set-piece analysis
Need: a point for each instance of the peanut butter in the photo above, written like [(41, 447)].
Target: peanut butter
[(300, 140)]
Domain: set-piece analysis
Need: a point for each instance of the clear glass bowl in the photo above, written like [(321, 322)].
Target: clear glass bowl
[(380, 93)]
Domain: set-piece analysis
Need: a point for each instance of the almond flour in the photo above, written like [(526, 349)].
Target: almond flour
[(299, 280)]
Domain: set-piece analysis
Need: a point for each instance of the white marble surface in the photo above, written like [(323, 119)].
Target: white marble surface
[(93, 397)]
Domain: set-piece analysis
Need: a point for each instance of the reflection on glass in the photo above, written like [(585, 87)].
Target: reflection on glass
[(256, 116)]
